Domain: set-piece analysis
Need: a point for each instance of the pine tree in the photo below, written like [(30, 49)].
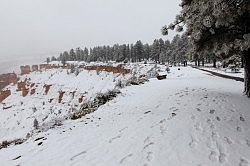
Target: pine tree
[(219, 27), (72, 55), (138, 50), (48, 60), (155, 53)]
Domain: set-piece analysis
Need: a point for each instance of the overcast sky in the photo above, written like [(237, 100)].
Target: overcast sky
[(47, 27)]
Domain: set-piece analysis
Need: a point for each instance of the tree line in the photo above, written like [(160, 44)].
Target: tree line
[(160, 51)]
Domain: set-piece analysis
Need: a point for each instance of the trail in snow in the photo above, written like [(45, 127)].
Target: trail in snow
[(189, 119)]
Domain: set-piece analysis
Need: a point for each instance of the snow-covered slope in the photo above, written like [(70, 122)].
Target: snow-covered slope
[(17, 120), (189, 119)]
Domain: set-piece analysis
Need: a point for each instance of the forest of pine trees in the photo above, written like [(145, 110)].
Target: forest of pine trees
[(160, 51)]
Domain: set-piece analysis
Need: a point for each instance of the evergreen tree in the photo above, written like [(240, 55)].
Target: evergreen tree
[(220, 27), (48, 60), (138, 50), (155, 53), (72, 55)]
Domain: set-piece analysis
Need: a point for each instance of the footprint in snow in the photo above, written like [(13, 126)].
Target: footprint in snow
[(17, 158), (218, 118), (126, 158), (172, 116), (248, 143), (147, 112), (198, 109), (213, 156), (198, 127), (193, 117), (243, 162), (149, 156), (222, 157), (212, 111), (147, 139), (242, 119), (163, 128), (193, 143), (121, 130), (239, 129), (172, 108), (157, 106), (148, 145), (114, 138), (77, 155), (228, 140)]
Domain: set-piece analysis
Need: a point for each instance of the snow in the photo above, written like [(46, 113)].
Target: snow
[(17, 121), (190, 118), (225, 71)]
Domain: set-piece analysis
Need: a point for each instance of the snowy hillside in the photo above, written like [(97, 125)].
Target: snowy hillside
[(189, 119), (57, 94)]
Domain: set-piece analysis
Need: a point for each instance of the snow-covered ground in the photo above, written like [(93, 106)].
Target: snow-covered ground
[(191, 118), (17, 120), (239, 74)]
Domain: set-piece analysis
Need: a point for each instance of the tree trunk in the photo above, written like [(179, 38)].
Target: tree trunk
[(199, 63), (203, 62), (242, 62), (214, 63), (246, 59)]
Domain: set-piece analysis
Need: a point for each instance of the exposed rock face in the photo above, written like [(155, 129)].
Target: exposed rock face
[(49, 66), (72, 94), (44, 66), (4, 94), (25, 91), (47, 88), (50, 100), (60, 96), (80, 100), (108, 69), (21, 85), (25, 69), (33, 91), (6, 79)]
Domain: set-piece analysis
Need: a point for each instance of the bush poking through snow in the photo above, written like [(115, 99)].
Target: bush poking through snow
[(35, 124), (136, 80), (119, 84), (89, 107), (5, 143)]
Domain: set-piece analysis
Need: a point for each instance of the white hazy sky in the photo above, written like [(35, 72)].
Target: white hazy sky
[(33, 28)]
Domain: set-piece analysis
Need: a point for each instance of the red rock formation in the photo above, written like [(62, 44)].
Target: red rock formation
[(25, 69), (4, 94), (80, 100), (25, 92), (6, 79), (60, 96), (73, 94), (33, 91), (47, 88), (108, 69), (21, 85)]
